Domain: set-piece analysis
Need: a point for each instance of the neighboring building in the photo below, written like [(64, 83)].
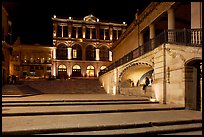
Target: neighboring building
[(163, 43), (6, 47), (31, 61), (81, 48)]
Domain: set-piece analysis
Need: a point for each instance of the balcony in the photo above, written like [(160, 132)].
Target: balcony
[(185, 37)]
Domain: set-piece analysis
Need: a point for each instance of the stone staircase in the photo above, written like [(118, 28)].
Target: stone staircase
[(69, 86), (97, 117)]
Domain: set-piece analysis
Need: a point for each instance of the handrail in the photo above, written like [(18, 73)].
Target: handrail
[(188, 37)]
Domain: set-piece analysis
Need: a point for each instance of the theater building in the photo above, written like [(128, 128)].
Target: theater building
[(81, 48)]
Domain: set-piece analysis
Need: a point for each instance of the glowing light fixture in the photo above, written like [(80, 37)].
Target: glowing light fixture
[(124, 22), (54, 16)]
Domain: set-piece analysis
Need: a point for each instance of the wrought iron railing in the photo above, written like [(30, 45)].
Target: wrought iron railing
[(188, 37)]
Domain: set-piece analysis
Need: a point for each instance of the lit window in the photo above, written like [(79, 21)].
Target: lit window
[(74, 53)]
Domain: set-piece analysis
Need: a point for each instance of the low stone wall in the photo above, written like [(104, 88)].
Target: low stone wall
[(137, 91)]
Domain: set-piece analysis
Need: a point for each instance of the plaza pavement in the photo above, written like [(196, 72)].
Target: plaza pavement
[(24, 112)]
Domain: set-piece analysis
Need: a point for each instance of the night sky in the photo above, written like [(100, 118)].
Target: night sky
[(32, 19)]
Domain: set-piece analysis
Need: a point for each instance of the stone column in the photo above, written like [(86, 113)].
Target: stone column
[(90, 33), (62, 32), (54, 69), (110, 56), (54, 53), (171, 19), (171, 24), (141, 39), (152, 34), (116, 34), (104, 34), (70, 30), (69, 55), (54, 30), (111, 32), (97, 54), (84, 31)]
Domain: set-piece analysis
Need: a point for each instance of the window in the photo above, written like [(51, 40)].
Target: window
[(79, 32), (104, 53), (65, 31), (77, 52), (59, 31), (62, 51), (90, 52), (74, 53), (87, 33)]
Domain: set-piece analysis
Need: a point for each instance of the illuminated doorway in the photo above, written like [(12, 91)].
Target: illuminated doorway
[(62, 71), (76, 71), (90, 71)]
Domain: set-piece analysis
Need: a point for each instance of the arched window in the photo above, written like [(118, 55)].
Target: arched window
[(90, 71), (62, 71), (90, 52), (62, 51), (76, 71), (62, 68), (76, 52), (104, 53)]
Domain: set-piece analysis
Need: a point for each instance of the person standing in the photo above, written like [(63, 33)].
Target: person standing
[(146, 84)]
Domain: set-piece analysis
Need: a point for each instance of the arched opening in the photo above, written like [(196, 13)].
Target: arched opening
[(61, 52), (76, 71), (62, 72), (132, 80), (90, 52), (104, 53), (193, 80), (76, 52), (90, 71)]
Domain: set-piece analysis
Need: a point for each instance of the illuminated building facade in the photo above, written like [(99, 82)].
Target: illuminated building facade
[(164, 43), (81, 48)]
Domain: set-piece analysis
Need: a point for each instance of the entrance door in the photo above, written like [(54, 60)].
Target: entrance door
[(90, 71), (76, 71), (192, 85), (62, 72)]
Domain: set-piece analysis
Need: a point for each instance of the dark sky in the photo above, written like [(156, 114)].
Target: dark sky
[(32, 19)]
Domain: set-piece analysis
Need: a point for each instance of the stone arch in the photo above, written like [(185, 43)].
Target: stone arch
[(132, 64), (134, 76), (62, 71), (193, 86), (76, 71), (90, 71), (61, 51), (90, 52), (104, 53)]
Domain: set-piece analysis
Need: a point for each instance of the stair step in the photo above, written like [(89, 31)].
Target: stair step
[(154, 130)]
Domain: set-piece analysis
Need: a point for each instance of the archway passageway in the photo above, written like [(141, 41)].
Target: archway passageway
[(193, 77)]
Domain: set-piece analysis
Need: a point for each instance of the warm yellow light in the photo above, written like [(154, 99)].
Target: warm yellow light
[(152, 99), (54, 16)]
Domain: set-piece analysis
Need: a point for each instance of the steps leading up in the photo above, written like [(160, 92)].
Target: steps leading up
[(70, 86)]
